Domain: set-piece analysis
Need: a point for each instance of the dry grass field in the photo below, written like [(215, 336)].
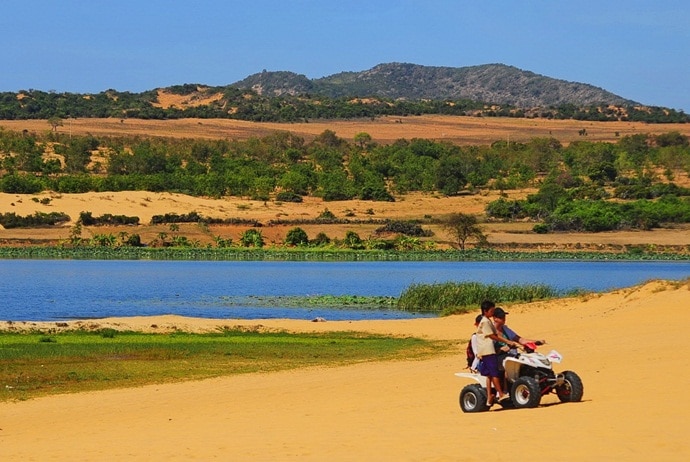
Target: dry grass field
[(458, 130), (384, 130)]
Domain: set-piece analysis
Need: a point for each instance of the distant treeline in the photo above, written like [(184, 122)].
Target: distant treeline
[(576, 179), (248, 105)]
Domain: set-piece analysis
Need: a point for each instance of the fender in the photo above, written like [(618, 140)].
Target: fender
[(480, 379)]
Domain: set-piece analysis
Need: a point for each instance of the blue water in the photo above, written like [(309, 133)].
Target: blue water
[(79, 289)]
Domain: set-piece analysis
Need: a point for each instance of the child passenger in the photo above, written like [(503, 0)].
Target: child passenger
[(488, 367)]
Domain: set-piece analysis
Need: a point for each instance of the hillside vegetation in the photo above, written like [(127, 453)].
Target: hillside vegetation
[(585, 186), (386, 90)]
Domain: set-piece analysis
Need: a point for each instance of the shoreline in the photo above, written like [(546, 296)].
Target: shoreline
[(332, 254)]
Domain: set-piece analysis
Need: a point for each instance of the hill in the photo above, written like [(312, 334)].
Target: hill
[(490, 83), (393, 89)]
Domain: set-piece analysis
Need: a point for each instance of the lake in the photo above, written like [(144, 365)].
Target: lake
[(44, 290)]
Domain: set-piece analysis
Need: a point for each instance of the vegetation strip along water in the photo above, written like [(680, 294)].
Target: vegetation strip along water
[(315, 254)]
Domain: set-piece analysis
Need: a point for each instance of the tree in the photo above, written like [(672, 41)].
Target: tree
[(78, 154), (463, 227), (450, 175), (363, 139), (55, 122)]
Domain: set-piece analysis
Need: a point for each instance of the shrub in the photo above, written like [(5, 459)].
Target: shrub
[(296, 236), (408, 228), (133, 240), (75, 184), (540, 228), (352, 240), (506, 210), (369, 193), (223, 243), (107, 219), (287, 196), (326, 215), (191, 217), (21, 184), (321, 239), (252, 238), (12, 220)]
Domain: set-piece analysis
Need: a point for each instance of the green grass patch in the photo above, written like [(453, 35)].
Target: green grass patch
[(38, 364)]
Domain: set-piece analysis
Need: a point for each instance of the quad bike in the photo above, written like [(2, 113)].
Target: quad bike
[(528, 377)]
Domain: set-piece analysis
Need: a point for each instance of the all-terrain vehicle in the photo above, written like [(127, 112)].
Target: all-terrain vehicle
[(528, 376)]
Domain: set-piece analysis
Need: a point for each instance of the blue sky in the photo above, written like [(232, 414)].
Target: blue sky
[(636, 49)]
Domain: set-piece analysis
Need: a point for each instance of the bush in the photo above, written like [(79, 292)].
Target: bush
[(75, 184), (321, 239), (287, 196), (21, 184), (369, 193), (506, 210), (107, 219), (353, 241), (326, 216), (296, 236), (408, 228), (191, 217), (540, 228), (133, 240), (252, 238), (12, 220)]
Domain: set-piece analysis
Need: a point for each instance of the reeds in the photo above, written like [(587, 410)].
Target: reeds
[(461, 297)]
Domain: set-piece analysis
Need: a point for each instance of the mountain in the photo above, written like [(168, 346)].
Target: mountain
[(490, 83), (394, 89)]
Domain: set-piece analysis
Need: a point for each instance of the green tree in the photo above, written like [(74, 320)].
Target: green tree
[(54, 123), (463, 227), (362, 139), (335, 186), (78, 154), (450, 175)]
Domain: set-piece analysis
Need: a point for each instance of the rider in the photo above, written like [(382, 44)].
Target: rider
[(502, 349), (474, 367), (487, 334)]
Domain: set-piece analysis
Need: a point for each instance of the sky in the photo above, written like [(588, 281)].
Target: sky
[(636, 49)]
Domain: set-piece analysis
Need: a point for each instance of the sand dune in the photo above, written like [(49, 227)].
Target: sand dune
[(626, 346)]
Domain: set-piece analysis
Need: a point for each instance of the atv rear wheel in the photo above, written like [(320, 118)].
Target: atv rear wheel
[(572, 389), (473, 398), (525, 392)]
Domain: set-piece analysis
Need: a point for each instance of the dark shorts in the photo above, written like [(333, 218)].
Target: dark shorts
[(488, 367)]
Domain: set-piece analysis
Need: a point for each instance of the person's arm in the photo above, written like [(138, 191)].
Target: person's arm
[(500, 338), (521, 340)]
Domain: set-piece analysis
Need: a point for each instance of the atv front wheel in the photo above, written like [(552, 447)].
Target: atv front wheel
[(473, 398), (525, 392), (572, 389)]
